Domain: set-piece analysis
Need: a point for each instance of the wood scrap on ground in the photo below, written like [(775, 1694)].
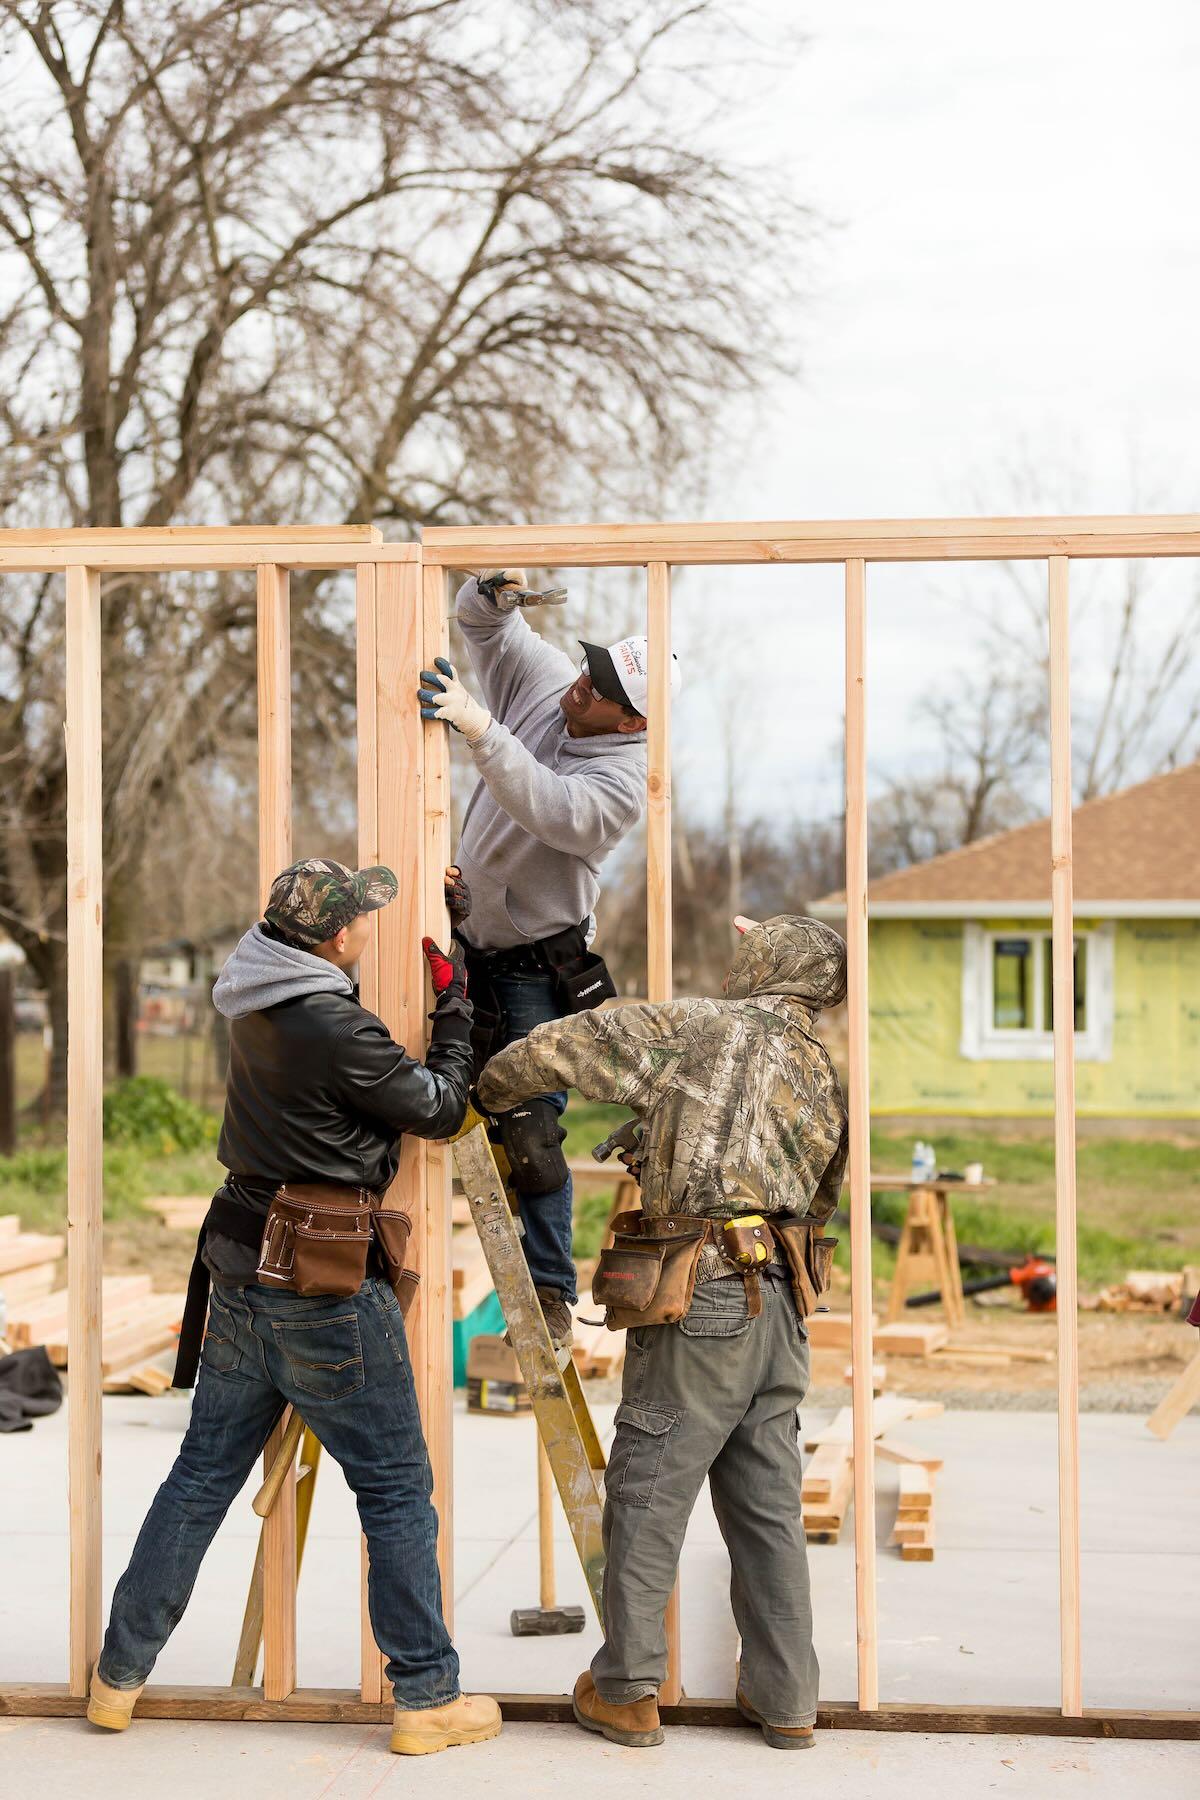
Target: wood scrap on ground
[(180, 1212), (141, 1378), (825, 1492), (828, 1330), (1143, 1290), (913, 1530), (915, 1339)]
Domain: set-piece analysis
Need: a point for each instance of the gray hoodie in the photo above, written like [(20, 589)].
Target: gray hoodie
[(549, 807), (262, 972)]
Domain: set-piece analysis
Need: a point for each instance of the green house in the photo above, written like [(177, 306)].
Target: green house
[(960, 990)]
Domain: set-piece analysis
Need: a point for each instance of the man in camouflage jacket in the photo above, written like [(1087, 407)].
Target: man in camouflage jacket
[(743, 1113)]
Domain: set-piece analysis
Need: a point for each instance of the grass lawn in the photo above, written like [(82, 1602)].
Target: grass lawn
[(1139, 1198)]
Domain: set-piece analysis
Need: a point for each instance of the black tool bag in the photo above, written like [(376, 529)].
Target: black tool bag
[(581, 977), (581, 981)]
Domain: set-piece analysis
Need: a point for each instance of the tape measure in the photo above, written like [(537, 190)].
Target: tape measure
[(745, 1251)]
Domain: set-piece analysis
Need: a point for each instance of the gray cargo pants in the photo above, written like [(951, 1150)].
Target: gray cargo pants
[(715, 1395)]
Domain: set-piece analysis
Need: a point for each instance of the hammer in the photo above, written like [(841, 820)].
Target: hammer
[(264, 1501), (546, 1620)]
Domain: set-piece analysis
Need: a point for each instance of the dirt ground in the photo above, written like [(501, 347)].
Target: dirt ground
[(1130, 1357)]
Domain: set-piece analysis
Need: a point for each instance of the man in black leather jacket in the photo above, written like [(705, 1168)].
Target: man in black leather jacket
[(318, 1091)]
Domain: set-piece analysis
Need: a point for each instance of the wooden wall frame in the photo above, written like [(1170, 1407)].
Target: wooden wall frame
[(401, 592)]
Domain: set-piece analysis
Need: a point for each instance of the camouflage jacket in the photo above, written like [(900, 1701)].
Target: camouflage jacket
[(742, 1107)]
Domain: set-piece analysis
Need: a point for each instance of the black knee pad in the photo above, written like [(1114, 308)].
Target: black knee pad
[(532, 1139)]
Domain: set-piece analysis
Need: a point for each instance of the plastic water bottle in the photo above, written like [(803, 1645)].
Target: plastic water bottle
[(930, 1162), (918, 1161)]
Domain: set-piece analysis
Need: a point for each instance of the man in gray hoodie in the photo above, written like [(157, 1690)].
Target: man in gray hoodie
[(561, 755)]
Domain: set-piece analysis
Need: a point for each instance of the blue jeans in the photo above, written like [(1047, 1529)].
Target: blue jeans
[(528, 999), (343, 1364)]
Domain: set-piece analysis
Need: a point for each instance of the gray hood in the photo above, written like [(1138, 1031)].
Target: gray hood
[(261, 972)]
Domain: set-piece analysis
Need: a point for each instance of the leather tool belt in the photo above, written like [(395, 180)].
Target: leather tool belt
[(317, 1240), (647, 1275)]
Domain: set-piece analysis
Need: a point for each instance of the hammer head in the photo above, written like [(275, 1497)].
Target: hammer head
[(546, 1621)]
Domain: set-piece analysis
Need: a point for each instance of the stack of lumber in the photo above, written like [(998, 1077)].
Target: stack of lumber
[(180, 1212), (137, 1324), (27, 1260), (598, 1352), (827, 1485), (40, 1321), (913, 1530)]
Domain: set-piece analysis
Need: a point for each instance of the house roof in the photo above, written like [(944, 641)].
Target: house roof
[(1136, 851)]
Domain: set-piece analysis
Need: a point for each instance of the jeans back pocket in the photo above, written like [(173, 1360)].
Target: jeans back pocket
[(324, 1355)]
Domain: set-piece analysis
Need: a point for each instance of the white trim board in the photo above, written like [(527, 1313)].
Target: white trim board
[(980, 1042)]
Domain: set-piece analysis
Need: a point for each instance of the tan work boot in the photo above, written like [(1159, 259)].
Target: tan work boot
[(780, 1737), (635, 1725), (111, 1707), (557, 1315), (471, 1719)]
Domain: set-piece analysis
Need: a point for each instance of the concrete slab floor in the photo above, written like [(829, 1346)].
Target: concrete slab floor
[(977, 1625), (529, 1762)]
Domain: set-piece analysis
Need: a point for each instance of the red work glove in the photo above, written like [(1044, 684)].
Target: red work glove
[(448, 973)]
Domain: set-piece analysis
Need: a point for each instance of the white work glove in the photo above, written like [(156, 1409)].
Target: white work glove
[(506, 590), (443, 696)]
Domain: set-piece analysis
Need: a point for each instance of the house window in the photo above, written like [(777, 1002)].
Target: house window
[(1023, 983), (1008, 993)]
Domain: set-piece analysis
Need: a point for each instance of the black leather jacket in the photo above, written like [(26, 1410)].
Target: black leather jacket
[(318, 1090)]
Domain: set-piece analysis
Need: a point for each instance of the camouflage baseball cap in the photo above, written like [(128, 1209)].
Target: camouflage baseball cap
[(312, 900)]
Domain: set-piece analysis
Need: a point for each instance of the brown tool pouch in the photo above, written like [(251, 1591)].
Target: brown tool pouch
[(647, 1275), (392, 1229), (809, 1259), (316, 1239)]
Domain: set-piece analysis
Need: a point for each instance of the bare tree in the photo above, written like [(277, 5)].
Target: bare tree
[(991, 730), (346, 258), (1135, 637)]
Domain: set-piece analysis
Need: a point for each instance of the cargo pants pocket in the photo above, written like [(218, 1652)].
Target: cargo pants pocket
[(638, 1450), (719, 1309)]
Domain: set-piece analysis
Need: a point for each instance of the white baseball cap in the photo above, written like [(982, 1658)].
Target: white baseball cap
[(621, 672)]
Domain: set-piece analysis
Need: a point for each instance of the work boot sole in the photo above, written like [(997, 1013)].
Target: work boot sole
[(416, 1743), (110, 1718), (631, 1740), (778, 1739)]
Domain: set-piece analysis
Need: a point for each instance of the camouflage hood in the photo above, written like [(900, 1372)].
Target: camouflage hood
[(790, 955)]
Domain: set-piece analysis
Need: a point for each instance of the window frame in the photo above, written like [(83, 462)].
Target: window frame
[(982, 1041)]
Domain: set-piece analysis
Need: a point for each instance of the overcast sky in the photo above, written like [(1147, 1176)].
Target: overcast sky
[(1012, 261)]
